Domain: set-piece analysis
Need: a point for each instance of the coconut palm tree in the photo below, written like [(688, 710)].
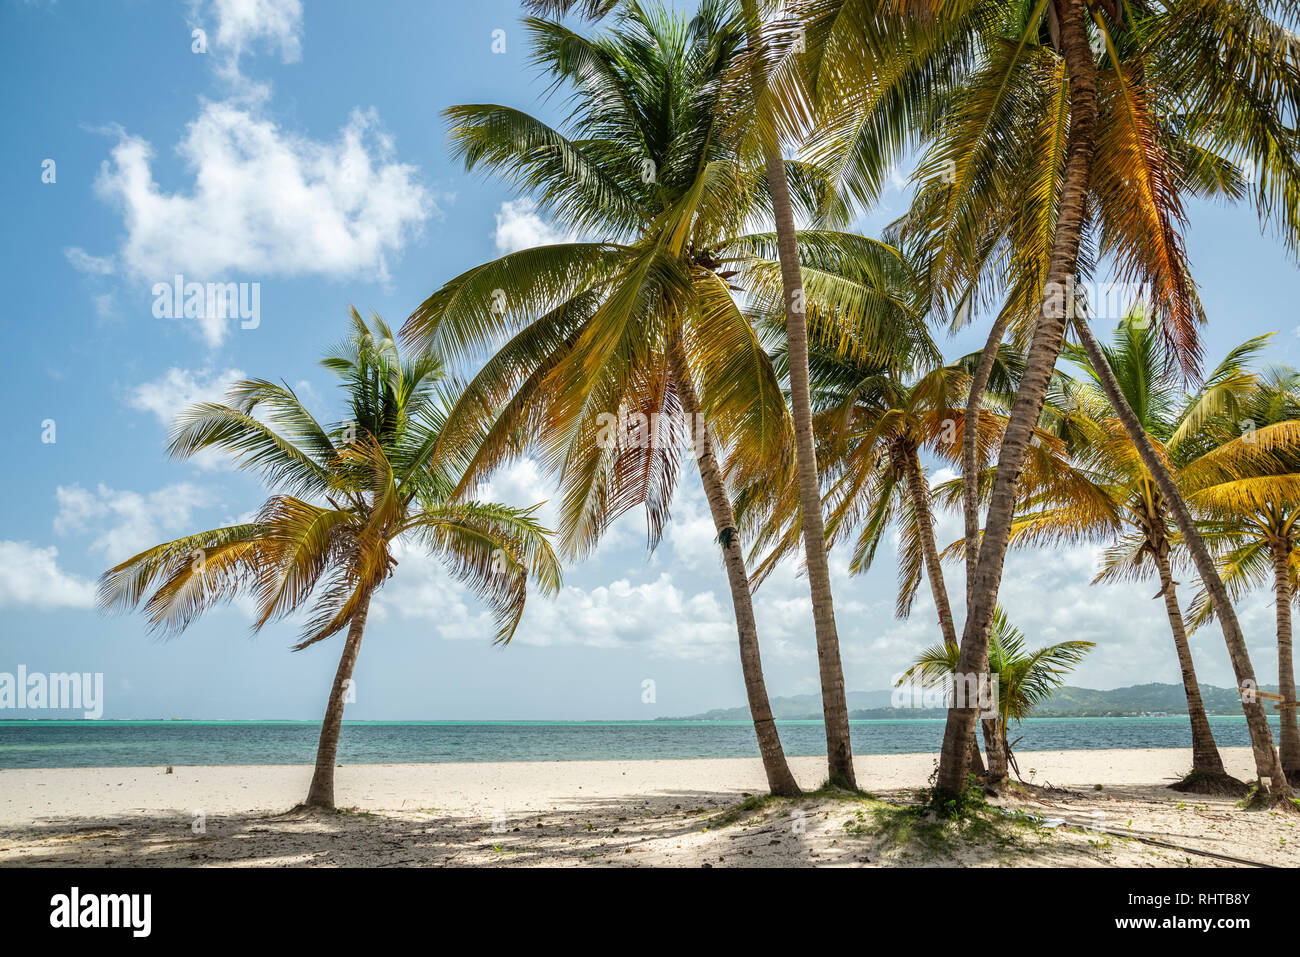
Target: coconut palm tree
[(875, 411), (762, 76), (1252, 518), (344, 496), (1025, 679), (603, 347), (1113, 497), (1056, 132), (756, 133), (872, 423)]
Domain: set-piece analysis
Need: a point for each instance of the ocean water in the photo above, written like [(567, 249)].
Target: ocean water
[(55, 744)]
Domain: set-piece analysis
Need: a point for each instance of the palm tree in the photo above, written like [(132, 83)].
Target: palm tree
[(1113, 497), (1252, 517), (1047, 122), (765, 125), (1025, 679), (871, 423), (345, 496), (640, 327), (752, 118), (875, 421)]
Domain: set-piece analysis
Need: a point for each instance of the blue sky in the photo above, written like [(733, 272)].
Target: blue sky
[(304, 151)]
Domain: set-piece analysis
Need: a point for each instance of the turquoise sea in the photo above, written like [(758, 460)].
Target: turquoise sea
[(51, 744)]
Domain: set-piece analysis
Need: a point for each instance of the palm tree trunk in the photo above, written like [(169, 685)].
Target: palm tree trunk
[(970, 492), (1267, 763), (1285, 666), (779, 779), (995, 743), (321, 792), (976, 759), (920, 492), (1205, 753), (839, 753), (1043, 351)]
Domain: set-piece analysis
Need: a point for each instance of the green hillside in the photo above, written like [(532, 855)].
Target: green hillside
[(1067, 702)]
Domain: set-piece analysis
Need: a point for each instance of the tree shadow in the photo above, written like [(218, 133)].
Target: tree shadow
[(1032, 825)]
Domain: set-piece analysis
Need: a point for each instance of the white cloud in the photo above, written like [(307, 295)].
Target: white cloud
[(30, 575), (264, 201), (125, 523), (82, 261), (105, 304), (179, 388), (240, 22), (656, 616), (519, 227), (690, 531), (523, 485), (241, 26)]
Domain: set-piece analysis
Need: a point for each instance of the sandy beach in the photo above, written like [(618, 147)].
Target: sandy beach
[(688, 813)]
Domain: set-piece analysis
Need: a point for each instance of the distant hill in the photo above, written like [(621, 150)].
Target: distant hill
[(1067, 702)]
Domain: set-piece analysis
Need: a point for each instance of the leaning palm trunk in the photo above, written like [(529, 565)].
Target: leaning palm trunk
[(970, 493), (995, 743), (779, 779), (1044, 349), (1205, 753), (1285, 666), (920, 493), (321, 792), (1267, 764), (839, 753)]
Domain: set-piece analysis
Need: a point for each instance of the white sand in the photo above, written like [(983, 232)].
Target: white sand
[(611, 812)]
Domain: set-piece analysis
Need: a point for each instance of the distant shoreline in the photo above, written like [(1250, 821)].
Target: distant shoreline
[(154, 743)]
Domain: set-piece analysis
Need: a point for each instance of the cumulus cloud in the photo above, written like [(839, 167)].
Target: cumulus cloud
[(179, 388), (657, 617), (520, 227), (125, 523), (691, 532), (242, 22), (523, 484), (264, 201), (30, 575)]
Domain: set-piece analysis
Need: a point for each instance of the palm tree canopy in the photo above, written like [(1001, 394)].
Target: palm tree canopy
[(1105, 493), (345, 494), (580, 331), (1195, 99), (1250, 513)]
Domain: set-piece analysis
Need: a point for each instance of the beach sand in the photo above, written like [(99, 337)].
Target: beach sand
[(688, 813)]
